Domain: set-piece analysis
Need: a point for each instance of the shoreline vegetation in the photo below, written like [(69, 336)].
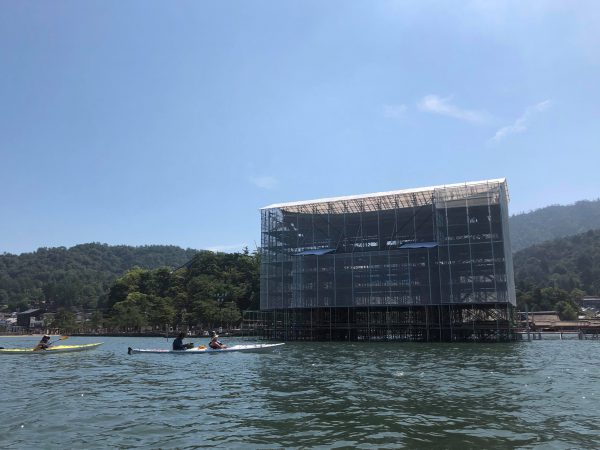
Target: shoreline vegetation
[(207, 292), (144, 290)]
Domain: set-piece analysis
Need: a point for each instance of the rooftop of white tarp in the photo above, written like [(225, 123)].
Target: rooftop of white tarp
[(400, 198)]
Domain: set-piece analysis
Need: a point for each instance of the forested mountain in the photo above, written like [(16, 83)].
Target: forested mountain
[(76, 277), (568, 263), (549, 275), (561, 270), (553, 222)]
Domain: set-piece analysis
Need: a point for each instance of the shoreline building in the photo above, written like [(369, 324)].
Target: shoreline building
[(425, 264)]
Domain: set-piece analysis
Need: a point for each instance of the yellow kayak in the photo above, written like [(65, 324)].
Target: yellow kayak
[(51, 350)]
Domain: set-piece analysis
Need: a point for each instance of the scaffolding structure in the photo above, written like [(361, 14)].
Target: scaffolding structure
[(420, 264)]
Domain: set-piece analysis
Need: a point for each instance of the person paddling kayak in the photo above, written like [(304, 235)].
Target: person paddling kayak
[(214, 342), (178, 343), (44, 343)]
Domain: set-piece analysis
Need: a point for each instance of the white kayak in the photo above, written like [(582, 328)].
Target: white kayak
[(49, 351), (202, 350)]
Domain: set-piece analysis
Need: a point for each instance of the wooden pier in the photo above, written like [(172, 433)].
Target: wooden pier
[(548, 325)]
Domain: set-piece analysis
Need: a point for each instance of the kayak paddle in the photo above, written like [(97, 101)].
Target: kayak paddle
[(62, 338)]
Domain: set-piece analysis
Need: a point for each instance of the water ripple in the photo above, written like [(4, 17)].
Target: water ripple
[(325, 395)]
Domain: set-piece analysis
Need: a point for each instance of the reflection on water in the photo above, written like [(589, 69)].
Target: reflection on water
[(304, 395)]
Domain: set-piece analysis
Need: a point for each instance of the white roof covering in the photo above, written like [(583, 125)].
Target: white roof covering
[(400, 198)]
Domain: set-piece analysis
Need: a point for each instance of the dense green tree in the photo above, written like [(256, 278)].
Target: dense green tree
[(160, 311), (209, 292), (128, 315), (64, 321), (206, 314), (566, 310), (230, 314)]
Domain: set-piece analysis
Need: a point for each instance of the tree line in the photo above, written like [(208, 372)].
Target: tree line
[(152, 287), (211, 291), (78, 277), (556, 274)]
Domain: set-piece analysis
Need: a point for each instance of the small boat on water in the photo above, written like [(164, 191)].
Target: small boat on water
[(205, 350), (50, 350)]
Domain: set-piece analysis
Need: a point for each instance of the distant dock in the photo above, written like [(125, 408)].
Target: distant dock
[(555, 335), (542, 325)]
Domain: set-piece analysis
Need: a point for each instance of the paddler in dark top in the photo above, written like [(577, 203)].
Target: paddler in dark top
[(214, 342), (178, 343), (44, 343)]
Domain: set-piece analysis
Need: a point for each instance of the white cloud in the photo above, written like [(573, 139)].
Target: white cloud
[(438, 105), (229, 248), (520, 125), (265, 182), (394, 111)]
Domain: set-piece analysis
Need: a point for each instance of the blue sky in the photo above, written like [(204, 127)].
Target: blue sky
[(174, 122)]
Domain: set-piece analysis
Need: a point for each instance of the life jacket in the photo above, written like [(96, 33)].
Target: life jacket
[(215, 345)]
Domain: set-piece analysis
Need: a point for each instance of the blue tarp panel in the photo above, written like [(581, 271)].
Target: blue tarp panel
[(318, 252), (420, 245)]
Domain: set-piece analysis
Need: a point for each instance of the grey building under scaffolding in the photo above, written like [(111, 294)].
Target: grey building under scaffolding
[(430, 264)]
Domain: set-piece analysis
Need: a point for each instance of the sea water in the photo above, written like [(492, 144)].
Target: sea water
[(303, 395)]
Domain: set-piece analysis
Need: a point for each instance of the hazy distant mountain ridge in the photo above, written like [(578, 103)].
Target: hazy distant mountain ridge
[(553, 222)]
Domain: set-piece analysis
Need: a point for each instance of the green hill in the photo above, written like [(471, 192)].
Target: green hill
[(557, 273), (555, 251), (566, 263), (553, 222), (76, 276)]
